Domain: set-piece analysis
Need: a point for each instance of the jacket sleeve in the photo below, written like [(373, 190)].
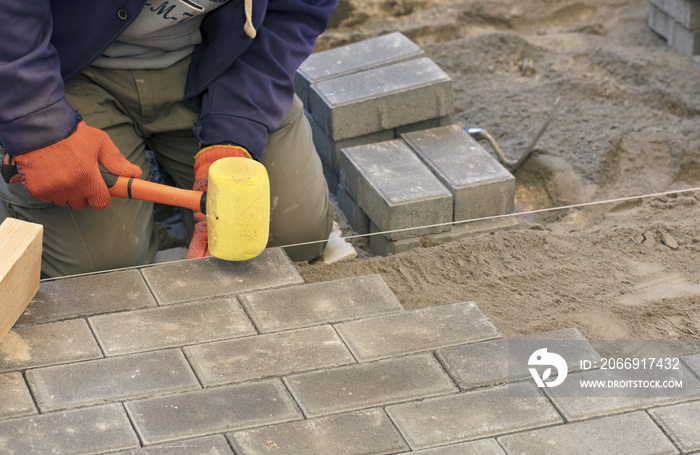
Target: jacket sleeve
[(253, 96), (34, 111)]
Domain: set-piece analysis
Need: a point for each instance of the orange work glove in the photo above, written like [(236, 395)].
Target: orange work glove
[(66, 173), (202, 161)]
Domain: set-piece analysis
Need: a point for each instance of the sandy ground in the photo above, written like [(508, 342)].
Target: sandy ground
[(627, 125)]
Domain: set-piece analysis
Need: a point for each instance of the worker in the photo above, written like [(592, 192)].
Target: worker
[(88, 84)]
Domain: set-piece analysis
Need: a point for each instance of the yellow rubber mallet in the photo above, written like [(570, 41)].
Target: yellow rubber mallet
[(237, 205)]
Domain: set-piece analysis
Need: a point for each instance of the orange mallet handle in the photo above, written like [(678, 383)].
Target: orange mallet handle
[(143, 190)]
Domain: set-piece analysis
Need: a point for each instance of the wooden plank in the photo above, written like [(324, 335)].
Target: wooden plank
[(20, 269)]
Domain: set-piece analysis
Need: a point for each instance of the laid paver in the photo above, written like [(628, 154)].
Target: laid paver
[(213, 410), (381, 98), (362, 432), (320, 303), (184, 281), (471, 415), (172, 325), (274, 354), (633, 433), (480, 447), (481, 186), (112, 379), (369, 384), (682, 423), (15, 400), (98, 293), (415, 331), (47, 344), (208, 445), (90, 430)]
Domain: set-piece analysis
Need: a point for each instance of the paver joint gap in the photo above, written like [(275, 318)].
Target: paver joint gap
[(445, 368), (663, 430), (250, 317), (31, 392), (94, 337), (132, 423), (192, 368), (148, 285), (340, 337)]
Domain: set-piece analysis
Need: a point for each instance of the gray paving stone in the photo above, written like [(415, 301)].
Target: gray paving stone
[(352, 58), (415, 331), (273, 354), (89, 430), (681, 423), (169, 326), (320, 303), (685, 12), (381, 98), (481, 186), (86, 295), (113, 379), (471, 415), (630, 433), (178, 282), (395, 189), (693, 362), (208, 445), (15, 400), (357, 219), (47, 344), (363, 432), (369, 384), (677, 36), (210, 411), (480, 447)]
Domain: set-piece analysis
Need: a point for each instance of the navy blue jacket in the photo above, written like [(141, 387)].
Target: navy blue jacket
[(242, 88)]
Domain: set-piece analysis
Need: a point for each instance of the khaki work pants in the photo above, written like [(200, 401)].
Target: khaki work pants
[(144, 108)]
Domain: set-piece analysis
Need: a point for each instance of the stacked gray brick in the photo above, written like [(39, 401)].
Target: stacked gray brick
[(678, 22)]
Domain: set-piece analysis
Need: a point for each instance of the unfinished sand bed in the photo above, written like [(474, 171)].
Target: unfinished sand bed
[(628, 124)]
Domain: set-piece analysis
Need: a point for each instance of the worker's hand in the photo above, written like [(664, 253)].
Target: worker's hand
[(66, 173), (204, 159)]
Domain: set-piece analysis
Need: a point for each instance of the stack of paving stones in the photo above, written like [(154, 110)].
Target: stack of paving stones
[(210, 357), (379, 111), (678, 22)]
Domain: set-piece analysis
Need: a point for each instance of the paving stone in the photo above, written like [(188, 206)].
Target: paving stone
[(273, 354), (395, 189), (685, 12), (47, 344), (415, 331), (693, 362), (480, 447), (381, 98), (677, 36), (320, 303), (481, 186), (169, 326), (353, 58), (89, 430), (210, 411), (363, 432), (178, 282), (15, 400), (86, 295), (357, 219), (369, 384), (471, 415), (630, 433), (208, 445), (681, 423), (113, 379)]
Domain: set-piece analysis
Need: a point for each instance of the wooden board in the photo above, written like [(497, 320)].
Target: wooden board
[(20, 269)]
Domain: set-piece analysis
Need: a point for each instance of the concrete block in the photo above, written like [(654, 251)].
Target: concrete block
[(90, 430), (208, 445), (395, 189), (415, 331), (268, 355), (185, 281), (87, 295), (320, 303), (480, 447), (685, 12), (47, 344), (369, 384), (15, 400), (366, 432), (113, 379), (357, 219), (209, 411), (170, 326), (381, 98), (469, 416), (353, 58), (630, 433), (481, 186), (680, 422), (677, 36)]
